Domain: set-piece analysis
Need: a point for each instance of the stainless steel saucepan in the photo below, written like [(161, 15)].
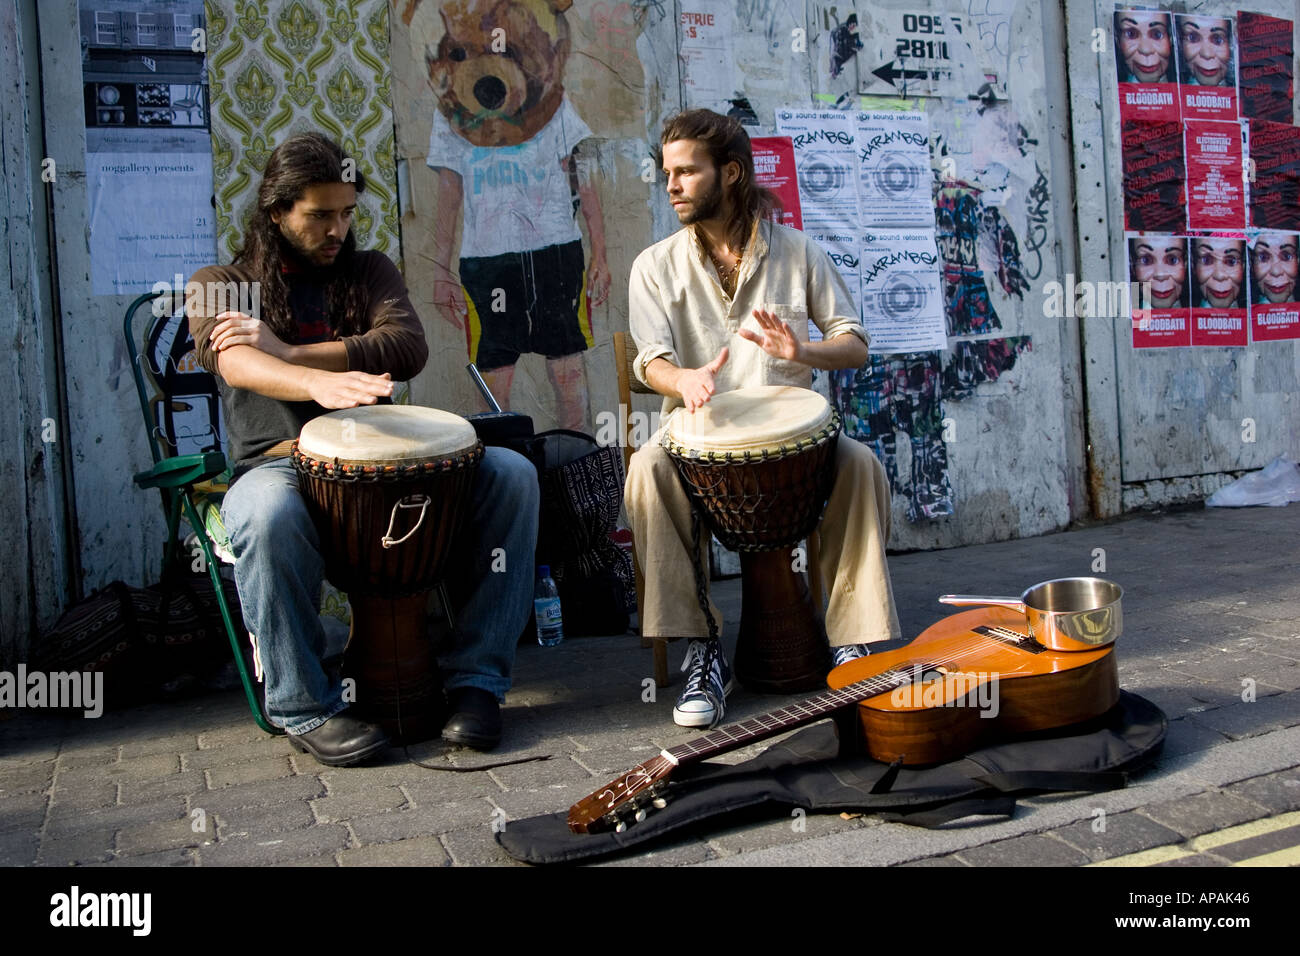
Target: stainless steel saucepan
[(1068, 614)]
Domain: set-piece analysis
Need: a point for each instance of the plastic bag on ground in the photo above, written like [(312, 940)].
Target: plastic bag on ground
[(1275, 485)]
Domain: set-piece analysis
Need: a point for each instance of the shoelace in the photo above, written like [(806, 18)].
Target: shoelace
[(701, 662)]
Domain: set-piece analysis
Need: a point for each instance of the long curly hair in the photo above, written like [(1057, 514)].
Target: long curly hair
[(301, 161), (726, 142)]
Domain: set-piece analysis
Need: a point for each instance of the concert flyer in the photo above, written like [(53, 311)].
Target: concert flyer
[(1146, 65), (1159, 290), (1207, 67), (894, 172), (827, 167), (1216, 195), (1266, 74), (902, 296), (774, 170), (1274, 296), (1275, 167), (1218, 268), (1154, 173)]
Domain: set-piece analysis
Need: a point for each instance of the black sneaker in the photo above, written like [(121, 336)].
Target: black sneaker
[(704, 699)]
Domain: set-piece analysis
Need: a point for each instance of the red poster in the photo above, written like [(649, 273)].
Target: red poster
[(1154, 169), (1207, 68), (1219, 290), (1145, 66), (1216, 194), (774, 170), (1267, 81), (1274, 297), (1274, 176), (1160, 290)]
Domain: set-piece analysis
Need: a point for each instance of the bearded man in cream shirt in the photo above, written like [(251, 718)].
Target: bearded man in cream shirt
[(721, 304)]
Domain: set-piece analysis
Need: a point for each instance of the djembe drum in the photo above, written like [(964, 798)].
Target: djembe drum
[(758, 464), (388, 487)]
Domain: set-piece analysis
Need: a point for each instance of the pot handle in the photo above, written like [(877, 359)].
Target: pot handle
[(964, 599)]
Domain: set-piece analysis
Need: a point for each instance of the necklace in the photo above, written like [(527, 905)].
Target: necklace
[(727, 274)]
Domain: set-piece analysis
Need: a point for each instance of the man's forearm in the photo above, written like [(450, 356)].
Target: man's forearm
[(243, 366), (843, 351), (662, 375), (326, 356)]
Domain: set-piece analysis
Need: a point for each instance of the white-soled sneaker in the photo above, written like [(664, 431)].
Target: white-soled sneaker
[(848, 652), (704, 699)]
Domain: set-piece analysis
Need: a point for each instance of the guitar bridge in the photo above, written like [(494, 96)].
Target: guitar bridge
[(1007, 636)]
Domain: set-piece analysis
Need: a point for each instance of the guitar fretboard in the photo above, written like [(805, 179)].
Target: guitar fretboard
[(787, 718)]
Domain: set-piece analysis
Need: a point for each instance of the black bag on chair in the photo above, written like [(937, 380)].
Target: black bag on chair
[(582, 492)]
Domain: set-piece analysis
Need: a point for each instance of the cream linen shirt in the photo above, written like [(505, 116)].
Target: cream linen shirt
[(678, 310)]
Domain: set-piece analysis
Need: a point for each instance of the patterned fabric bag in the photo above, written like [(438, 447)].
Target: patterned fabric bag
[(582, 493)]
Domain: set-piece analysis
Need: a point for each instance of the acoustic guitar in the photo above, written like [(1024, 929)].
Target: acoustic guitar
[(967, 678)]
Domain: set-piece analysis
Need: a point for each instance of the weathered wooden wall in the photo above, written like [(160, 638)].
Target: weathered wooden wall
[(34, 572)]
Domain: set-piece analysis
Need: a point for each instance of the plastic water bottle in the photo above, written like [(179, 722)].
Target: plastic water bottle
[(546, 605)]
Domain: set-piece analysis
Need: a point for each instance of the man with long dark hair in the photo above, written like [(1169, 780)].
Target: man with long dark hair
[(723, 304), (303, 322)]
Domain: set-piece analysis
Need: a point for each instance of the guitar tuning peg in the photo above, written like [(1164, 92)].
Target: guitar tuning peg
[(640, 816), (659, 803), (620, 827)]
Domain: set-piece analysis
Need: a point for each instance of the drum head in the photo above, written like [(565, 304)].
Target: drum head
[(386, 435), (762, 418)]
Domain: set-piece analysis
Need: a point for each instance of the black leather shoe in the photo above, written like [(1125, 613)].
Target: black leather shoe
[(475, 719), (341, 741)]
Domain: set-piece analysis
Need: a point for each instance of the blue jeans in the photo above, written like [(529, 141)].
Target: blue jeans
[(279, 569)]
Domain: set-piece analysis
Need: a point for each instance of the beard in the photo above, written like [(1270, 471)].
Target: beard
[(297, 250), (708, 206)]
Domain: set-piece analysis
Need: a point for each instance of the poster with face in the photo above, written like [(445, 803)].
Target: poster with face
[(1274, 297), (1158, 271), (1219, 290), (1216, 194), (1145, 65), (1207, 75)]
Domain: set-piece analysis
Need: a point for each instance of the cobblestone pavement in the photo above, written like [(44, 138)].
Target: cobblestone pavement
[(1212, 635)]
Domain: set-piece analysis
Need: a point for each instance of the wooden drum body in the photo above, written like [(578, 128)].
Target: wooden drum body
[(388, 488), (759, 464)]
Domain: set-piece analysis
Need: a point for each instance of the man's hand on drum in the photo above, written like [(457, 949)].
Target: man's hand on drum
[(696, 384), (775, 339), (347, 389), (236, 328)]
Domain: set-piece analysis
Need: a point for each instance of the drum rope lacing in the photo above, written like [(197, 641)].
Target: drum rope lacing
[(333, 468), (797, 447)]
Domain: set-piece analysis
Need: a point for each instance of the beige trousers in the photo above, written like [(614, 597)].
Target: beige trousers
[(854, 530)]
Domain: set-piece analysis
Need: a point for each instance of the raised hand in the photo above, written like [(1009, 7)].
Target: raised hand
[(775, 337)]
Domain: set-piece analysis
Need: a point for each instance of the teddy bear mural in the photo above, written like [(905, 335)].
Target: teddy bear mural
[(503, 146)]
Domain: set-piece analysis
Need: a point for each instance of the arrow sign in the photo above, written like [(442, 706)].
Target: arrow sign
[(889, 74)]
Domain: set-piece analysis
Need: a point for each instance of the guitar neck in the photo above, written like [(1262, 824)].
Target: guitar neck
[(776, 722)]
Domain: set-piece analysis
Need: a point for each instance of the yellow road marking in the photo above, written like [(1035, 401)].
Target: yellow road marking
[(1245, 830), (1209, 841), (1287, 857), (1161, 854)]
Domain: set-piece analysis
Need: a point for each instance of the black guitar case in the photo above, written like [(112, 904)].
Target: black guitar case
[(807, 770)]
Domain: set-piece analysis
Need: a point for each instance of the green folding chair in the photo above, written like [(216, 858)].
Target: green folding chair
[(182, 410)]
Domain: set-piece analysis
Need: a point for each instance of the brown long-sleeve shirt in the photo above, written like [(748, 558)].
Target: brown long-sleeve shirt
[(393, 342)]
